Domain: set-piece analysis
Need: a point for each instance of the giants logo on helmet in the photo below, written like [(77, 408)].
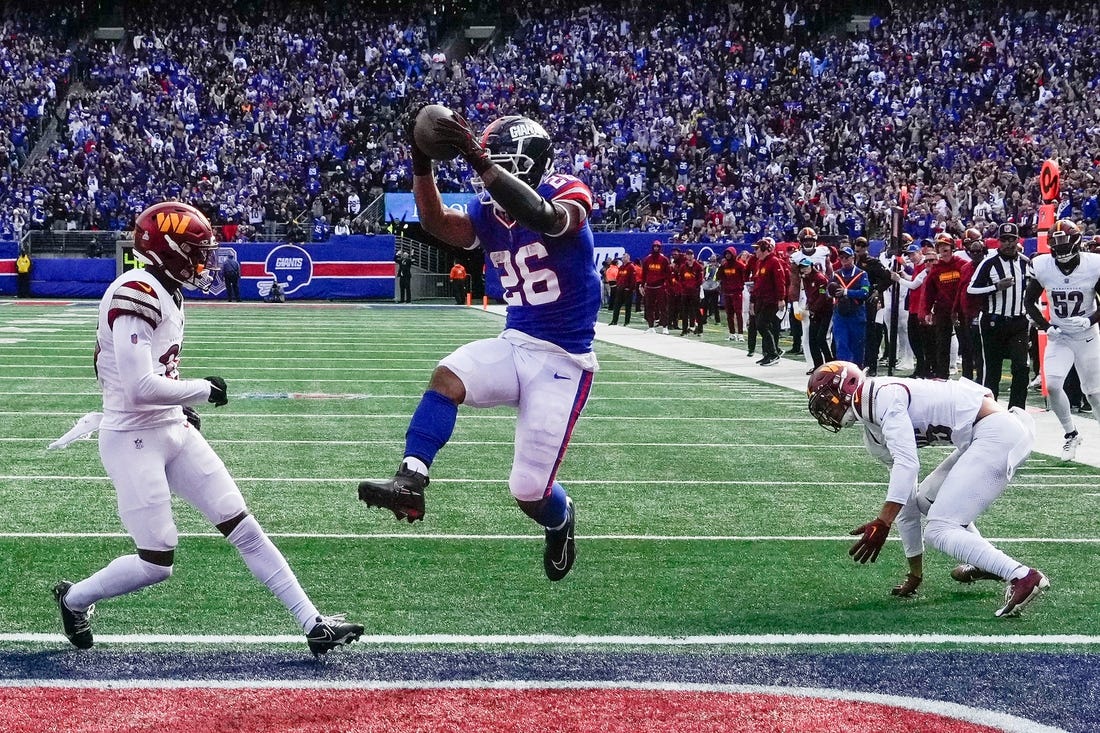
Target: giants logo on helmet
[(291, 266), (526, 128)]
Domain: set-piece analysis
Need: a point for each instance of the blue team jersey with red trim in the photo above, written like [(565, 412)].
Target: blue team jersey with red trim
[(550, 284)]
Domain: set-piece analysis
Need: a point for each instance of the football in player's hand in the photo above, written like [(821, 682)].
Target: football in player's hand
[(425, 135)]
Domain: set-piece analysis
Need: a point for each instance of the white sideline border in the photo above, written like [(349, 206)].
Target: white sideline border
[(617, 641)]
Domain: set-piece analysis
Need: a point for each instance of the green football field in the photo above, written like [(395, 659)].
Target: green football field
[(708, 505)]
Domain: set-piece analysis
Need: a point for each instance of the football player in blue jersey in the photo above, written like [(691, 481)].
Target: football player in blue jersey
[(532, 226)]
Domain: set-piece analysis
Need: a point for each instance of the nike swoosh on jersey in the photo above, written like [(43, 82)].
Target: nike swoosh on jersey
[(561, 376)]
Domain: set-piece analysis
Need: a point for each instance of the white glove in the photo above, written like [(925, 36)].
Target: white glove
[(1075, 324)]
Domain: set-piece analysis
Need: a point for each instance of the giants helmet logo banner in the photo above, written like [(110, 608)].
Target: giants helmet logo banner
[(526, 128), (291, 266)]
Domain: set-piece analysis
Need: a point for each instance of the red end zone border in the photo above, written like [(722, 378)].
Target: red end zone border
[(501, 707)]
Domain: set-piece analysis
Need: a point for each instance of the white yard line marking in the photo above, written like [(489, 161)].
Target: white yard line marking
[(532, 537), (401, 440), (585, 640), (572, 482), (468, 415)]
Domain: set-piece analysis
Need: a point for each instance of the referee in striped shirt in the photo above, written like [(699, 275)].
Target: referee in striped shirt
[(1004, 325)]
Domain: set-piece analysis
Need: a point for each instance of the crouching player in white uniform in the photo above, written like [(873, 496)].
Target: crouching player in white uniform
[(532, 226), (900, 415), (149, 439), (1072, 281)]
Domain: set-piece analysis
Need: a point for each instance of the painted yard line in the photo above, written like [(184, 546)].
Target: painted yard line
[(33, 329), (633, 384), (550, 640), (754, 397), (572, 443), (405, 416), (533, 537), (572, 482)]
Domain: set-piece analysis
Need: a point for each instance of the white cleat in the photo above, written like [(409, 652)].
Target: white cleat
[(1069, 448)]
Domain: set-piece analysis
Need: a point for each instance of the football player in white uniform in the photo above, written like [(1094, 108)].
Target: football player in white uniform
[(818, 254), (149, 439), (1071, 279), (900, 415)]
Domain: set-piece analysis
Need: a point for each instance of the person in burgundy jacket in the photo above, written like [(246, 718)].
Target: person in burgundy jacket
[(970, 308), (656, 271), (674, 306), (625, 285), (732, 274), (818, 312), (769, 298), (940, 306), (689, 275), (912, 285)]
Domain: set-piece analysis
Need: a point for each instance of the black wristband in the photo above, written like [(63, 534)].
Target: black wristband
[(422, 164)]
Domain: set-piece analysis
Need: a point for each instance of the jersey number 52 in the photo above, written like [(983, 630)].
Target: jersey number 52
[(523, 280)]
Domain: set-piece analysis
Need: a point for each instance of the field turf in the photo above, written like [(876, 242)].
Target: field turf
[(712, 510)]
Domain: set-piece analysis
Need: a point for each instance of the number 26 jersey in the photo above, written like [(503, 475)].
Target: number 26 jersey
[(550, 284)]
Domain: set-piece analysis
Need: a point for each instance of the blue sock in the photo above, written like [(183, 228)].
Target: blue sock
[(431, 426), (553, 512)]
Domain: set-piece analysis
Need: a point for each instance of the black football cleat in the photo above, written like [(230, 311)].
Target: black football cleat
[(78, 628), (403, 494), (330, 632), (561, 549), (967, 573)]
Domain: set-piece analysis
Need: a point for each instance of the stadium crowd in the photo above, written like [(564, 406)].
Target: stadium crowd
[(721, 122)]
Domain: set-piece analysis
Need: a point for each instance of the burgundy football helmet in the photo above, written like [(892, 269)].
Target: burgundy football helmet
[(177, 239), (1065, 241), (831, 389)]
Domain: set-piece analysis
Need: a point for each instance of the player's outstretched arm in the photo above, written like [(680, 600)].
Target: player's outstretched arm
[(445, 224), (526, 206)]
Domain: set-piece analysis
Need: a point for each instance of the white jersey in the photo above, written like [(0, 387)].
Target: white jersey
[(1072, 294), (901, 415), (138, 343), (820, 257)]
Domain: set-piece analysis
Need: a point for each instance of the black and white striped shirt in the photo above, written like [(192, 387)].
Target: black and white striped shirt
[(1002, 303)]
